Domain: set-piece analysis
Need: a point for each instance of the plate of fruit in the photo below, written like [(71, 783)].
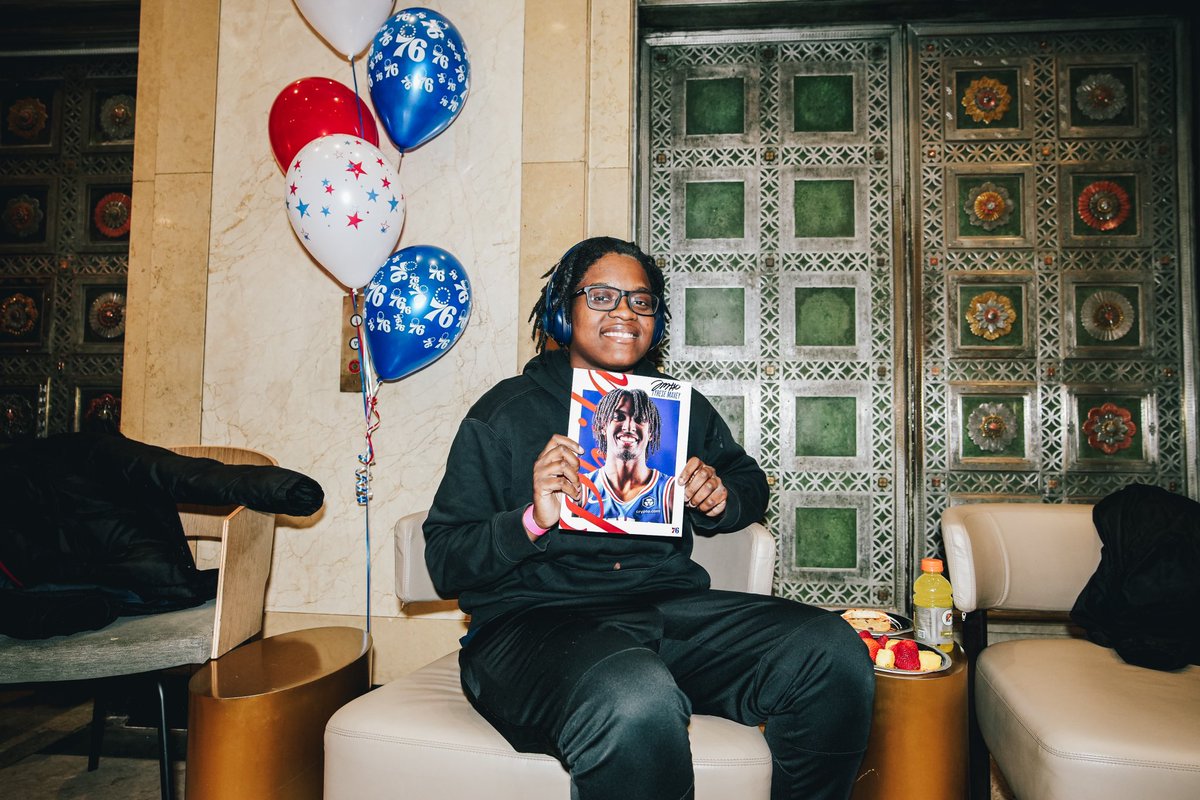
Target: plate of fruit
[(877, 622), (903, 656)]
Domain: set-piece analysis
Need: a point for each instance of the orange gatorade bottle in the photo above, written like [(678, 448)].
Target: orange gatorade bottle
[(933, 606)]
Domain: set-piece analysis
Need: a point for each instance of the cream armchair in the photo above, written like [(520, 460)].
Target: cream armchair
[(421, 733), (1063, 718)]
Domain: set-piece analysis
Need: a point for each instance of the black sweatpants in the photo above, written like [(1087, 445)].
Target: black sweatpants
[(609, 689)]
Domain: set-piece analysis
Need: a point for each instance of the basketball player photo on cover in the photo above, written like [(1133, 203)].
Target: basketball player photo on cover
[(633, 431)]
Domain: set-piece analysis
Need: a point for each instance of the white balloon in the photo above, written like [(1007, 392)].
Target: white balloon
[(345, 204), (348, 25)]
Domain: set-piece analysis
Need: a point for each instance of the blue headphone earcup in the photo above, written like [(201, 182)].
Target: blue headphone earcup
[(556, 325), (555, 322), (660, 327)]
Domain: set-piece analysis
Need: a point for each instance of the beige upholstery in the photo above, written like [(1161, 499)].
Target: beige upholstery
[(743, 563), (1065, 718), (1026, 556), (420, 733)]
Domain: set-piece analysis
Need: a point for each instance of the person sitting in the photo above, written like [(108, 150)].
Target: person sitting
[(596, 648)]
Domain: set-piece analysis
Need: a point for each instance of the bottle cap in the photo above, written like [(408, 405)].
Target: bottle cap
[(931, 565)]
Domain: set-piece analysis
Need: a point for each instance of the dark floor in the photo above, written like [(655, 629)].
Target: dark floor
[(44, 741), (45, 736)]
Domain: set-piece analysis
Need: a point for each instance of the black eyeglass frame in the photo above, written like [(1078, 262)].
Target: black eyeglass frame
[(622, 294)]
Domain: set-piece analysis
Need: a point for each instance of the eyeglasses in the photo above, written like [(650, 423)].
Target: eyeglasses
[(606, 298)]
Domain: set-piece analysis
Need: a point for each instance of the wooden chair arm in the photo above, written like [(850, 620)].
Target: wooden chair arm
[(247, 541), (242, 541)]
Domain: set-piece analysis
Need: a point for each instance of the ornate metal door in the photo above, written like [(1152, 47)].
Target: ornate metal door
[(773, 168), (1055, 360), (1044, 267), (66, 166)]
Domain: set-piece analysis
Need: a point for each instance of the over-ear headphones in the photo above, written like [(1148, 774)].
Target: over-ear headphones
[(554, 319), (557, 324)]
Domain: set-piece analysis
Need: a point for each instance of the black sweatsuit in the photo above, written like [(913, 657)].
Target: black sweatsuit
[(597, 648)]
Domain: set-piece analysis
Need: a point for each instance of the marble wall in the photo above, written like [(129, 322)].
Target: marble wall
[(273, 328), (239, 331), (577, 132)]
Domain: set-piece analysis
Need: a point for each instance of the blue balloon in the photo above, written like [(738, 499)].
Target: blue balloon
[(415, 309), (418, 75)]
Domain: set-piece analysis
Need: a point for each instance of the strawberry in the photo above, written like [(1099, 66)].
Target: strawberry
[(883, 640), (872, 648), (907, 655), (865, 635)]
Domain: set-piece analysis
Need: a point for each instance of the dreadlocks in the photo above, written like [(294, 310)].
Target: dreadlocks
[(567, 274), (643, 410)]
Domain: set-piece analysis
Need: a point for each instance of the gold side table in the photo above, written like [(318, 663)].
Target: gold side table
[(256, 716), (918, 744)]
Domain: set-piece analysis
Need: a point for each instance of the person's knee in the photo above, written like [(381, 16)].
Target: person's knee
[(629, 697), (822, 663), (850, 660), (627, 731)]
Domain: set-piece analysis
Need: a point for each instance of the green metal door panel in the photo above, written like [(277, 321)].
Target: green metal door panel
[(823, 209), (822, 103), (715, 106), (824, 315), (66, 192), (790, 314), (715, 210)]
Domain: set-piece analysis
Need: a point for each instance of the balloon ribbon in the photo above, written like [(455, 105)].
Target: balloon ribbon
[(358, 104), (362, 475)]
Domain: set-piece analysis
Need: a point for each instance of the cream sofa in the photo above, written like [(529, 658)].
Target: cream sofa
[(419, 737), (1063, 718)]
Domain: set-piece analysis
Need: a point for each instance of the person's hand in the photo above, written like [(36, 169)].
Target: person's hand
[(702, 488), (555, 473)]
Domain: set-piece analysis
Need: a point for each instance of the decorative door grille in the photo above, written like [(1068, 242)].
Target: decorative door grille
[(923, 266), (771, 165), (1055, 342), (66, 166)]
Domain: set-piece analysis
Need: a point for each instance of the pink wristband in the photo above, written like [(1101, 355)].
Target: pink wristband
[(530, 525)]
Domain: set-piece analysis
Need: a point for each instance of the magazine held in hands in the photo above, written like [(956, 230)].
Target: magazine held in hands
[(633, 431)]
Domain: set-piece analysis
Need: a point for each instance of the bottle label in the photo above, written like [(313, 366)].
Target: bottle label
[(933, 626)]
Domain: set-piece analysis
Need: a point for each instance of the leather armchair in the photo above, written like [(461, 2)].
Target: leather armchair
[(420, 732), (1063, 718)]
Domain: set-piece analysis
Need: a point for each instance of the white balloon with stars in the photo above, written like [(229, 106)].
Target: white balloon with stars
[(345, 204)]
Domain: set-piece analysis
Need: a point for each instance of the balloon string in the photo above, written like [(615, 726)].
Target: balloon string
[(357, 101), (371, 418)]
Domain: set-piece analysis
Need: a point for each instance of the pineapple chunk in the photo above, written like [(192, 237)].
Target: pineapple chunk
[(885, 658), (929, 661)]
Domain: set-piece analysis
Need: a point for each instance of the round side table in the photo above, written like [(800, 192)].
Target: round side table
[(256, 716), (918, 744)]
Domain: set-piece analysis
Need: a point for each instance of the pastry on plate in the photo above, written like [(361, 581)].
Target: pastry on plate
[(868, 619)]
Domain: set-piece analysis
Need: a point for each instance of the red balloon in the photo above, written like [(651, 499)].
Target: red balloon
[(314, 107)]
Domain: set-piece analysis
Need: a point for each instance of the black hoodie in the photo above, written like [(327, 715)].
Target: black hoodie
[(476, 546)]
